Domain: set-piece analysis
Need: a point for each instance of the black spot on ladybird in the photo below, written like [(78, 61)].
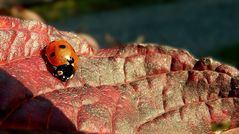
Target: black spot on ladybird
[(62, 46), (52, 54)]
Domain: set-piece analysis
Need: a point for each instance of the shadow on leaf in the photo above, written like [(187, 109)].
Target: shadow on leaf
[(20, 110)]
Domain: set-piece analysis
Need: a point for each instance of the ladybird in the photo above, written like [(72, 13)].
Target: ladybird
[(63, 59)]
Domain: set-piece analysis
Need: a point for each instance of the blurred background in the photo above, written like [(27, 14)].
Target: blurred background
[(203, 27)]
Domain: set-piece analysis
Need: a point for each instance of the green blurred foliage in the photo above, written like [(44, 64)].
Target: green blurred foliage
[(228, 54), (63, 8), (219, 127)]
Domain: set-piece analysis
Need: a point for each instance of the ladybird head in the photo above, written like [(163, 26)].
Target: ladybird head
[(64, 72)]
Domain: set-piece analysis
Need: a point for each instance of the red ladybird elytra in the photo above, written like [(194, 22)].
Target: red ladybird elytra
[(63, 58)]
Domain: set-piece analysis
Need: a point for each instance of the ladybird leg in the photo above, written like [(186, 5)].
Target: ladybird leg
[(54, 67), (55, 70)]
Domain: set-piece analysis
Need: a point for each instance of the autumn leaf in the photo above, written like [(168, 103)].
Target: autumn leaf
[(139, 88)]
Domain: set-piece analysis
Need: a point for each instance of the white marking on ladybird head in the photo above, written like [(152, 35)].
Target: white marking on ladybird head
[(71, 76), (59, 73)]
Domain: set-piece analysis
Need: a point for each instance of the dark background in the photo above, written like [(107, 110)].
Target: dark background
[(203, 27)]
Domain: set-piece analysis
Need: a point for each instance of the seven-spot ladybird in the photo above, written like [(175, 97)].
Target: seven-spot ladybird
[(63, 59)]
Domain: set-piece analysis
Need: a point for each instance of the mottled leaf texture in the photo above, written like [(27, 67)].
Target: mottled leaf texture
[(137, 89)]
